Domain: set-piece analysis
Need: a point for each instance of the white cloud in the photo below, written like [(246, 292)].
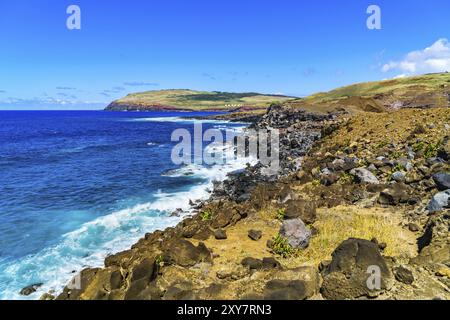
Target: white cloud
[(435, 58)]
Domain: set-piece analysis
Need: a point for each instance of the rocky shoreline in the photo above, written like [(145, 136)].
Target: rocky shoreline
[(346, 199), (124, 107)]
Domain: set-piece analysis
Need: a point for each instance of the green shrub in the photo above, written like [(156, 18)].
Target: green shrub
[(419, 146), (346, 178), (279, 215), (383, 144), (432, 149), (159, 260), (281, 247), (206, 215), (397, 154)]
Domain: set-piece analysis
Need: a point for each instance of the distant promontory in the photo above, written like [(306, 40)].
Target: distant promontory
[(190, 100)]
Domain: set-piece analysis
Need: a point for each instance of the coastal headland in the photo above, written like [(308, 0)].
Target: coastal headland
[(359, 209)]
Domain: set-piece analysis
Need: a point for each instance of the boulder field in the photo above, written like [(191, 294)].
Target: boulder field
[(360, 210)]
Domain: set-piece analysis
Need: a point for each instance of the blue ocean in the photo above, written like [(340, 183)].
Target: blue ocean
[(76, 186)]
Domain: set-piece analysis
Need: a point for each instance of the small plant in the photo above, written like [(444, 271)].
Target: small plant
[(160, 260), (396, 155), (316, 182), (346, 178), (383, 143), (279, 215), (432, 149), (398, 167), (362, 163), (346, 143), (418, 146), (281, 247), (315, 170), (206, 215), (395, 169)]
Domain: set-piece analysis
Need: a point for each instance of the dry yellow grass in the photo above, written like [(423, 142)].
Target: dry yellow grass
[(333, 225), (430, 89), (340, 223)]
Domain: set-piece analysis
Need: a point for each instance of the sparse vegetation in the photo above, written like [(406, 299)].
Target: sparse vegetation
[(280, 213), (432, 149), (382, 144), (419, 146), (281, 247), (346, 178), (378, 96), (206, 215), (338, 224), (429, 150), (397, 154), (159, 260)]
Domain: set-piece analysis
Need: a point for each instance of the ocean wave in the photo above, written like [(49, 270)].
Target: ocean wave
[(91, 243), (190, 120), (177, 119)]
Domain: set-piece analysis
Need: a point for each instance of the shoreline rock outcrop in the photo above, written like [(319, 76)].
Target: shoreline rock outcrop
[(213, 256)]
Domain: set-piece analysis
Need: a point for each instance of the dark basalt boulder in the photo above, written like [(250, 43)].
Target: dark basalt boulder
[(255, 234), (220, 234), (185, 254), (146, 269), (285, 290), (305, 210), (252, 263), (404, 275), (116, 281), (270, 263), (394, 194), (329, 179), (30, 289), (349, 275), (442, 180), (225, 217), (142, 290)]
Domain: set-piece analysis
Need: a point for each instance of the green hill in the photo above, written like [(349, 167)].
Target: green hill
[(190, 100), (425, 91)]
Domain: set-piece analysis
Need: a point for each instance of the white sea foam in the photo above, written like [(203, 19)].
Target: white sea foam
[(176, 119), (89, 245), (185, 120)]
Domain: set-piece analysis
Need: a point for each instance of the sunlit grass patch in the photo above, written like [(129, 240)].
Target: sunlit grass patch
[(341, 223)]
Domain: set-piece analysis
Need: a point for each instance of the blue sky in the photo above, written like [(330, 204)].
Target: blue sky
[(287, 46)]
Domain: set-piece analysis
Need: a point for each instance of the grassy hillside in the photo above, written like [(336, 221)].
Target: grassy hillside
[(195, 100), (431, 90)]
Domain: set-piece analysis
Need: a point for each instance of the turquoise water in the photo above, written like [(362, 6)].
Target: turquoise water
[(77, 186)]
